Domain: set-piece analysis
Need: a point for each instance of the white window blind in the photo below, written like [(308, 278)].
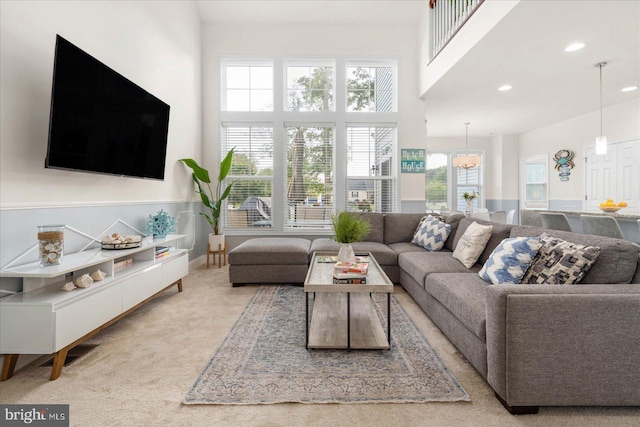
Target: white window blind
[(536, 180), (468, 180), (370, 168), (249, 203), (310, 87), (247, 87), (309, 197)]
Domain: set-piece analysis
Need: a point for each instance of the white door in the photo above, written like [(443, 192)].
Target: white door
[(614, 175)]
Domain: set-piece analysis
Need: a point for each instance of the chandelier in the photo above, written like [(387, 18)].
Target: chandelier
[(466, 161)]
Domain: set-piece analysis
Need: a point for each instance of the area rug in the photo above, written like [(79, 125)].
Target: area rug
[(263, 360)]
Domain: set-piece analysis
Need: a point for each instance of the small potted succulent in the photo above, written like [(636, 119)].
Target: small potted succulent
[(348, 227)]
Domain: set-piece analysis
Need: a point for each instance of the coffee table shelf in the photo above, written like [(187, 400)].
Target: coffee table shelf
[(344, 316)]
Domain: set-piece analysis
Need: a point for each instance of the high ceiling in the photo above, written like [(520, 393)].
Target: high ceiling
[(525, 50)]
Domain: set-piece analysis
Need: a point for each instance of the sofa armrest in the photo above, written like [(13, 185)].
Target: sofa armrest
[(564, 345)]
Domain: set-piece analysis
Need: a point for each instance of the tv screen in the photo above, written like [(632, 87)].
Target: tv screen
[(101, 121)]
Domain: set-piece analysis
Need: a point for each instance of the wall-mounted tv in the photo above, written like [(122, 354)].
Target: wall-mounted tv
[(101, 121)]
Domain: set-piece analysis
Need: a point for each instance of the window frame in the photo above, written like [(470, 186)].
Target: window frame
[(337, 119), (454, 187), (524, 202)]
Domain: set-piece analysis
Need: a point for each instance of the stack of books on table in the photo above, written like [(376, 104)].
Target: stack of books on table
[(350, 273), (162, 251)]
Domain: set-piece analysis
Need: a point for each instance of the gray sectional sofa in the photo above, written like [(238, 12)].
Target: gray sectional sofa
[(536, 345)]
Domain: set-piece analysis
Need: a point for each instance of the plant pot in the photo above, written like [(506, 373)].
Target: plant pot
[(346, 253), (216, 241)]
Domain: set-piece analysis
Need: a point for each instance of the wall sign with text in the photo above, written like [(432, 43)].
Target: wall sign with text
[(412, 160)]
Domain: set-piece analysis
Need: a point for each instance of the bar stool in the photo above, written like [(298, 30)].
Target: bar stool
[(499, 216), (555, 221), (600, 225), (529, 217)]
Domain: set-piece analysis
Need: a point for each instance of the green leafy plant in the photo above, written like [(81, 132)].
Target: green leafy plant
[(349, 227), (468, 196), (212, 200)]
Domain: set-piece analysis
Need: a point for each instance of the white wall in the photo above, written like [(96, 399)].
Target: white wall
[(292, 40), (156, 44), (621, 122)]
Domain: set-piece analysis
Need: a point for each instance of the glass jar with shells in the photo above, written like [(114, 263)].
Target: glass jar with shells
[(51, 244)]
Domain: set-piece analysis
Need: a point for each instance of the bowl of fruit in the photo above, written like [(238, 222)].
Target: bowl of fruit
[(611, 206)]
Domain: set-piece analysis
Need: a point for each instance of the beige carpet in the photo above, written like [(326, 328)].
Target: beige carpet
[(145, 364)]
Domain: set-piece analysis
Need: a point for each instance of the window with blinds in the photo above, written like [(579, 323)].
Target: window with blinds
[(370, 88), (310, 87), (247, 87), (468, 180), (535, 184), (249, 203), (370, 168), (309, 198)]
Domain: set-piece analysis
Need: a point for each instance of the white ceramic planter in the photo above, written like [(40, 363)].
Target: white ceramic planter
[(215, 240), (346, 253)]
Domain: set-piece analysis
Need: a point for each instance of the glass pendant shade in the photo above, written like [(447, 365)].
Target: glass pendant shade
[(601, 145)]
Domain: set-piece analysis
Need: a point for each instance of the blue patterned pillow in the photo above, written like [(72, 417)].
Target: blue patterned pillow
[(431, 234), (510, 260)]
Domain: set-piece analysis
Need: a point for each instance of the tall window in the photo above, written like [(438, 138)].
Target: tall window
[(310, 87), (312, 137), (445, 183), (437, 186), (370, 168), (309, 198), (248, 87), (535, 183), (249, 203), (370, 88)]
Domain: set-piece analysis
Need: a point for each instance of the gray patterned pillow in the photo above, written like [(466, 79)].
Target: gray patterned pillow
[(559, 262)]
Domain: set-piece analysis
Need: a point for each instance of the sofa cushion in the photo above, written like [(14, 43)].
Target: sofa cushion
[(560, 262), (463, 294), (454, 221), (383, 254), (431, 234), (616, 263), (376, 220), (419, 265), (472, 243), (509, 262), (400, 227), (498, 234), (402, 247), (271, 250)]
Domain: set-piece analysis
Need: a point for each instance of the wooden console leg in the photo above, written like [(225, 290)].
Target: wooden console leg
[(9, 366), (179, 283), (58, 363), (209, 253)]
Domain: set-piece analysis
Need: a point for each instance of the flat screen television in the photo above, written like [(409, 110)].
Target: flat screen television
[(101, 121)]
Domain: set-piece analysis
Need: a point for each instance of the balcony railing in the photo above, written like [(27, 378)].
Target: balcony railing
[(447, 16)]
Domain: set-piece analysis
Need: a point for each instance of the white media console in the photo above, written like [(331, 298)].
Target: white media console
[(44, 319)]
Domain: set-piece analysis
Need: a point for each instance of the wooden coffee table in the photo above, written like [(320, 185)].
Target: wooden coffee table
[(344, 316)]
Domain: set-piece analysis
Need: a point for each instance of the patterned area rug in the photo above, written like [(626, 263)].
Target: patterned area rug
[(263, 360)]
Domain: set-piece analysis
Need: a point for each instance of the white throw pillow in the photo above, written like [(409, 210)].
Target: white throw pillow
[(472, 243)]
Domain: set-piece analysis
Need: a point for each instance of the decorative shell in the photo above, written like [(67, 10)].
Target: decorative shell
[(98, 275), (69, 286), (83, 281)]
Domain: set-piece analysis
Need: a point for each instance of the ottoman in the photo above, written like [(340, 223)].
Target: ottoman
[(269, 260)]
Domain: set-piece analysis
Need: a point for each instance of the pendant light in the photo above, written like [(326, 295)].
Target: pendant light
[(466, 161), (601, 141)]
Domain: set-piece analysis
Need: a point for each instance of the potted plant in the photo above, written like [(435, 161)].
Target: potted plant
[(469, 197), (210, 198), (348, 227)]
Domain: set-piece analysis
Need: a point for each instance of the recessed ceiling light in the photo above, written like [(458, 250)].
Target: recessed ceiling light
[(629, 88), (573, 47), (504, 88)]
